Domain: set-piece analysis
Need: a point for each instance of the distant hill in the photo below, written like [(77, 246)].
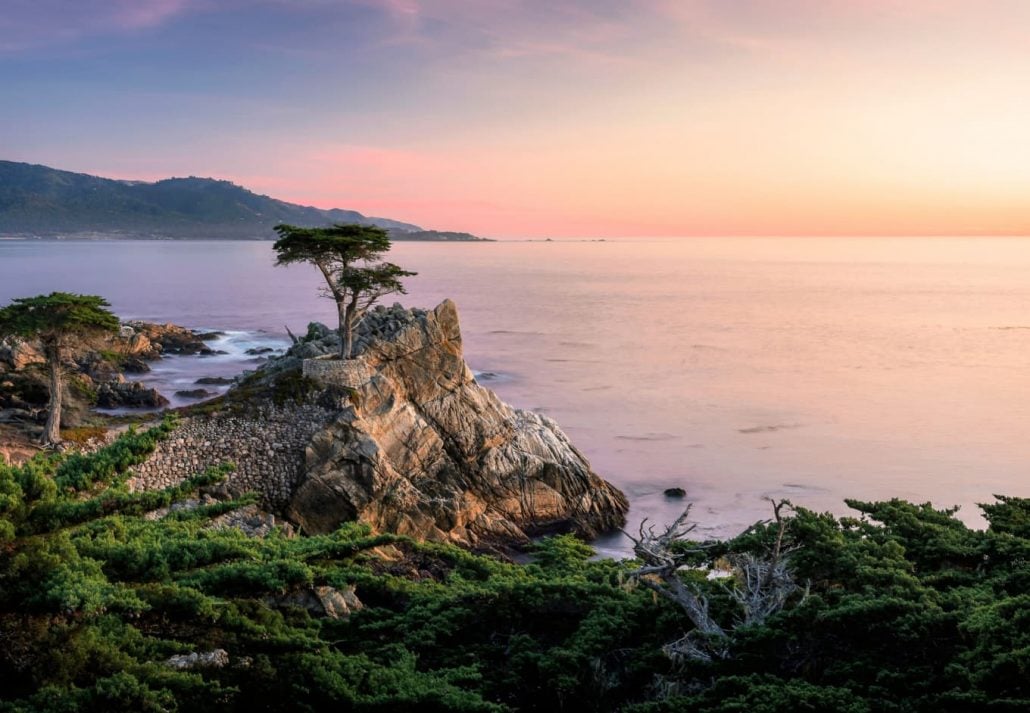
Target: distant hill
[(436, 236), (46, 202)]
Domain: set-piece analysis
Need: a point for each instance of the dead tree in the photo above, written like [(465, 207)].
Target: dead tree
[(763, 584)]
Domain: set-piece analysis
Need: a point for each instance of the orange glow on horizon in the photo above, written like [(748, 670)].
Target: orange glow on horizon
[(680, 117)]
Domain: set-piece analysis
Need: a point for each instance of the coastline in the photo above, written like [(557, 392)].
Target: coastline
[(677, 387)]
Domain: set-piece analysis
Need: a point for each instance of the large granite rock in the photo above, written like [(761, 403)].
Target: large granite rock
[(419, 448)]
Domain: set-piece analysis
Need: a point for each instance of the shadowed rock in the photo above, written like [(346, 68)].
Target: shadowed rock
[(129, 394)]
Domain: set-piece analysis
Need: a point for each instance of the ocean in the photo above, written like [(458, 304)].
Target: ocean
[(740, 369)]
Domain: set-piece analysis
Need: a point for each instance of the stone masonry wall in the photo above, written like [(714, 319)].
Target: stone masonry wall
[(267, 448), (350, 373)]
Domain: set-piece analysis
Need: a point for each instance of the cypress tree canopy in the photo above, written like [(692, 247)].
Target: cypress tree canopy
[(53, 316), (343, 243)]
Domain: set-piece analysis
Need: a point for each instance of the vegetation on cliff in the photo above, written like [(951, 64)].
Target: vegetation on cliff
[(103, 606)]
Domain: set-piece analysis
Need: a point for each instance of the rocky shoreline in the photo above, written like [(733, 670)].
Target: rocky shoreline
[(402, 437), (98, 374)]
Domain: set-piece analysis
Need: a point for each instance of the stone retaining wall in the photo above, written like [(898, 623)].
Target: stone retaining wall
[(349, 373), (266, 447)]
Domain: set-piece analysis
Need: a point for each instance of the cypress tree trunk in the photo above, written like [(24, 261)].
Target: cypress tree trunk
[(345, 331), (347, 343), (52, 429)]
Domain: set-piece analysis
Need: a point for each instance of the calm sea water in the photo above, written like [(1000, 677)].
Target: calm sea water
[(738, 369)]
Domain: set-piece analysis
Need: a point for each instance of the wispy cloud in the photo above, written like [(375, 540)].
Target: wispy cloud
[(543, 117), (26, 24), (134, 14)]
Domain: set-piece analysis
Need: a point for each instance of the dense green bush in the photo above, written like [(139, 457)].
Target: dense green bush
[(905, 609)]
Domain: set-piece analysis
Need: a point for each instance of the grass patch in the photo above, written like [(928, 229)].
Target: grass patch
[(255, 391), (84, 434)]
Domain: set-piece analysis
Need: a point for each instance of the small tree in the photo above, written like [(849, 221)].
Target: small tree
[(346, 255), (57, 320), (363, 287)]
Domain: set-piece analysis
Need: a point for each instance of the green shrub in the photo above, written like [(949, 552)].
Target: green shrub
[(906, 610)]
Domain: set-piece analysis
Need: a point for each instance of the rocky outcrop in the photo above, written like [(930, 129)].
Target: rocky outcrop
[(128, 394), (218, 658), (251, 520), (419, 448), (402, 438), (320, 601), (149, 341), (95, 369), (17, 353)]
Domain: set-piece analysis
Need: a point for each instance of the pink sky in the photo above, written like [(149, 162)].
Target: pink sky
[(526, 119)]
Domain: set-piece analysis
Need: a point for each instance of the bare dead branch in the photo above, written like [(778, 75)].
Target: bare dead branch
[(761, 587)]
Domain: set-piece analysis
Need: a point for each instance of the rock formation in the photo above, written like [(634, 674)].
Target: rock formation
[(150, 341), (128, 394), (401, 437), (97, 371), (419, 448)]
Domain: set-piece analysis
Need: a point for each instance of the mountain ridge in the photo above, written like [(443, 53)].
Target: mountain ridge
[(40, 201)]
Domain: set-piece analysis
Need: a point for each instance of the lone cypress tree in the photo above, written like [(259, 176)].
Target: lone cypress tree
[(347, 256), (57, 320), (363, 287)]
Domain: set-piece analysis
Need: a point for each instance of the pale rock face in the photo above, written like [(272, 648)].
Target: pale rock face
[(419, 448), (18, 353), (320, 601), (138, 344), (218, 658)]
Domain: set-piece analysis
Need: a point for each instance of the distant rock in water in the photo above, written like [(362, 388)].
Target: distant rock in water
[(419, 448), (675, 493), (150, 341)]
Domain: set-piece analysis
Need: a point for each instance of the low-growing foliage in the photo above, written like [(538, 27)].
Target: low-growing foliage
[(905, 609)]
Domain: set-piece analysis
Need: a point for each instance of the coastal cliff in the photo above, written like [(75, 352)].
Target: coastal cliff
[(420, 448), (402, 437)]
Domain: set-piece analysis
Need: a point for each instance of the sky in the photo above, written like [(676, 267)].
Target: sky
[(585, 118)]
